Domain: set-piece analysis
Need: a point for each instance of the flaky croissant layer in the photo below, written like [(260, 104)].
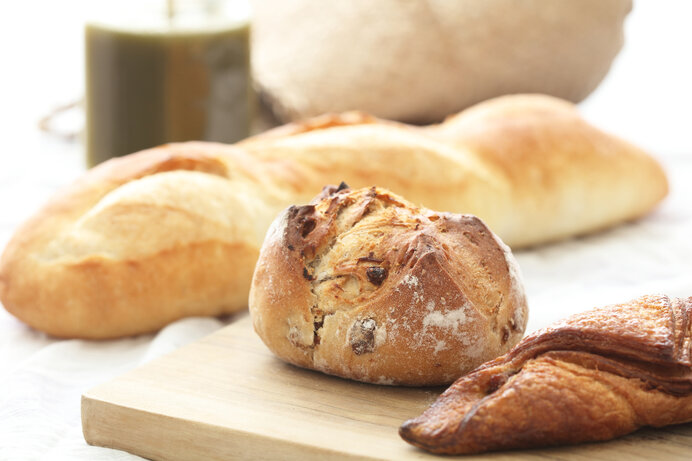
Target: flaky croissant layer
[(594, 376)]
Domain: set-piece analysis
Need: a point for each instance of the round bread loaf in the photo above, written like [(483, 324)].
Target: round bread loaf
[(365, 285), (419, 61)]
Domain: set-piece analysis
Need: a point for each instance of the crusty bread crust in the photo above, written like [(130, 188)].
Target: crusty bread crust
[(174, 231), (365, 285), (115, 255)]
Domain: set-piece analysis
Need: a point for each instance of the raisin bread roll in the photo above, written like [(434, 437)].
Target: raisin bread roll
[(364, 285)]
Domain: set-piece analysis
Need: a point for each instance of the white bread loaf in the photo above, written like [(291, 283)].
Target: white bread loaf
[(365, 285), (418, 61), (175, 231)]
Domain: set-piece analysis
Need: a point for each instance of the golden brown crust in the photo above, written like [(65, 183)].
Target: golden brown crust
[(563, 160), (597, 375), (127, 250), (320, 122), (526, 165), (364, 285)]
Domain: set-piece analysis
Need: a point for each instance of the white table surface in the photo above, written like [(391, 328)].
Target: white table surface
[(647, 98)]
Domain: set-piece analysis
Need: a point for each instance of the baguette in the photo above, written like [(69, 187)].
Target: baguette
[(175, 231)]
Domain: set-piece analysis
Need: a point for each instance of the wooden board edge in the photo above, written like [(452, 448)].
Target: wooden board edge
[(191, 439)]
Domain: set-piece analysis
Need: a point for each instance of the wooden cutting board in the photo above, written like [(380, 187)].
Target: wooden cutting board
[(227, 397)]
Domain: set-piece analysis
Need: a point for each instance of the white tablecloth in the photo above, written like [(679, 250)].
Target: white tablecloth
[(646, 99)]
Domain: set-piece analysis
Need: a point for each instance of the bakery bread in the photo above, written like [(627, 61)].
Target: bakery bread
[(595, 376), (428, 59), (364, 285), (528, 165), (175, 231)]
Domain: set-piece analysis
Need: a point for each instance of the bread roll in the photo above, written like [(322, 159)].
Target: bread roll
[(592, 377), (419, 61), (365, 285), (175, 231)]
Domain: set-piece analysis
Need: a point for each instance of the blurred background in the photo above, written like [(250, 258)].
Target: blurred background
[(43, 50), (645, 97)]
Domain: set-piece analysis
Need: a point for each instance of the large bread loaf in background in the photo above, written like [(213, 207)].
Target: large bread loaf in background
[(418, 61), (175, 231)]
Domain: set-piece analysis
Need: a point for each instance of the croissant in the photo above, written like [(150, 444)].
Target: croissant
[(175, 231), (595, 376)]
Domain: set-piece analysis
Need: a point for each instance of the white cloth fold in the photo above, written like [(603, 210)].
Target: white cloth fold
[(40, 396)]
